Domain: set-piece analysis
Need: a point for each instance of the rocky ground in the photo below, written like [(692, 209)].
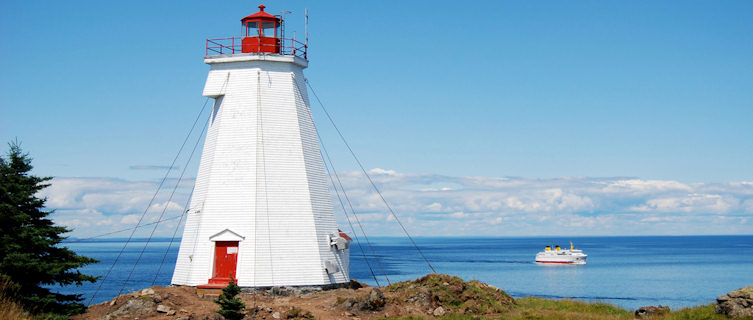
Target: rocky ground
[(430, 297), (433, 295), (736, 304)]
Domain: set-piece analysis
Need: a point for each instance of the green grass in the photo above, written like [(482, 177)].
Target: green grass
[(474, 300), (9, 308), (447, 317), (547, 309), (701, 313), (538, 308)]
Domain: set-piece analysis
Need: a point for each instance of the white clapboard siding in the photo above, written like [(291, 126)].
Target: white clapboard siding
[(261, 177)]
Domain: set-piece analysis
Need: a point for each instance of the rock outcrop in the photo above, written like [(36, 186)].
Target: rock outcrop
[(736, 304), (133, 308), (651, 312), (439, 294), (430, 297), (371, 302)]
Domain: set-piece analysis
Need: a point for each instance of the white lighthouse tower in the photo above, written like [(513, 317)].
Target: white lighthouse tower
[(260, 211)]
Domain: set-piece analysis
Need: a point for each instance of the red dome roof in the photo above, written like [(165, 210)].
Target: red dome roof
[(261, 15)]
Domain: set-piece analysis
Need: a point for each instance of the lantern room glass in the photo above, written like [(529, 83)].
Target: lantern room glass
[(268, 29), (252, 29)]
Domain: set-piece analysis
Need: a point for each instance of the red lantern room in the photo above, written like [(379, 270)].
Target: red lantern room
[(261, 32)]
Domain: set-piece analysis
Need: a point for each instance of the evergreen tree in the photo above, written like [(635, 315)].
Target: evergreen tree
[(31, 255), (230, 304)]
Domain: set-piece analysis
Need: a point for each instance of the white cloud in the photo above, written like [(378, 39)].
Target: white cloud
[(748, 206), (434, 207), (636, 186), (371, 217), (130, 219), (662, 219), (152, 167), (444, 205), (459, 214), (699, 203), (568, 205), (93, 206), (168, 206), (378, 171)]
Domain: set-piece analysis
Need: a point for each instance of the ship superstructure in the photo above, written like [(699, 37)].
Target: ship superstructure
[(561, 256)]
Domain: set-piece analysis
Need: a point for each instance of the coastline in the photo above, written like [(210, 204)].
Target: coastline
[(674, 271), (435, 296)]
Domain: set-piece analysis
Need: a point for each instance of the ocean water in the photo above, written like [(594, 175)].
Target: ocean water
[(629, 272)]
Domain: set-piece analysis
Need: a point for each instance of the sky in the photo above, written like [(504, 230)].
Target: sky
[(494, 118)]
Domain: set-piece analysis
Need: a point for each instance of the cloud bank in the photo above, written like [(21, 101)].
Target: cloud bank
[(444, 205), (94, 206), (152, 167), (437, 205)]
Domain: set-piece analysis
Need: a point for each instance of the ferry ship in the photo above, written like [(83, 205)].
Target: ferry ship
[(558, 255)]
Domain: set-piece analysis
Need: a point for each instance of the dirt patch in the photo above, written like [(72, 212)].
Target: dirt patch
[(176, 302)]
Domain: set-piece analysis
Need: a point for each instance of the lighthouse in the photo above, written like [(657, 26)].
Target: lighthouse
[(260, 212)]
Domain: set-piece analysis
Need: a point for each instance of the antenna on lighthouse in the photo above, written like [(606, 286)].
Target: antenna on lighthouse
[(306, 29), (282, 23)]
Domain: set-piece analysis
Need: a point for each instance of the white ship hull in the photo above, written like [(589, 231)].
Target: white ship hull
[(562, 259), (559, 256)]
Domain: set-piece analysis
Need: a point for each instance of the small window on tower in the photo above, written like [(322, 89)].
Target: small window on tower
[(252, 29), (268, 29)]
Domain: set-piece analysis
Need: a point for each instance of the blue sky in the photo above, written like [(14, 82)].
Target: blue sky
[(657, 93)]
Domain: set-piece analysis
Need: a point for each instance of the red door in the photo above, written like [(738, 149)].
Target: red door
[(225, 261)]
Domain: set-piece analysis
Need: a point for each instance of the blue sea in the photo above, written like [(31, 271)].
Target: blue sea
[(630, 272)]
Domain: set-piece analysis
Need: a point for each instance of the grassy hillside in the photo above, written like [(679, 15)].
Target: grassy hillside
[(547, 309)]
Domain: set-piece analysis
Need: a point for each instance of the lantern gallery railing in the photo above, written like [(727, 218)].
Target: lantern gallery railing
[(235, 45)]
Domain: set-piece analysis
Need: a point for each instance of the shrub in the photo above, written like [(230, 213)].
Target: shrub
[(231, 306)]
